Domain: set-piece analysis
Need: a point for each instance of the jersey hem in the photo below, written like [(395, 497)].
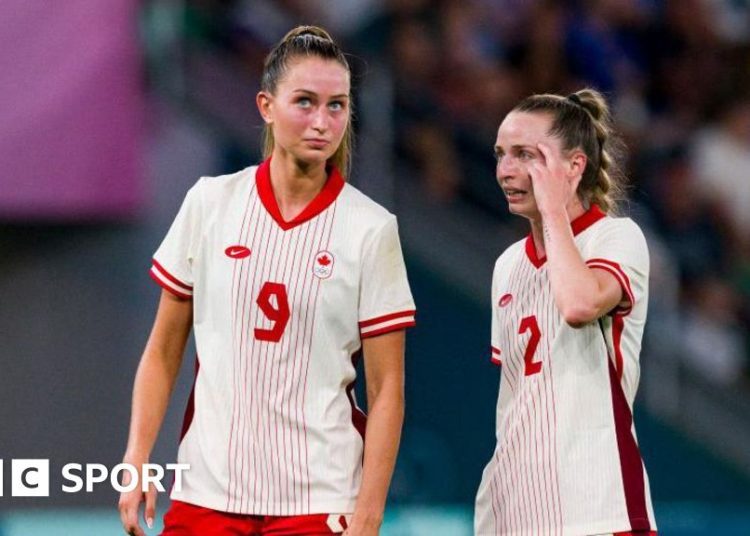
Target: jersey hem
[(344, 506), (605, 527)]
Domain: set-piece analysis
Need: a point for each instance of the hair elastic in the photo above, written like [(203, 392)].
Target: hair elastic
[(575, 99)]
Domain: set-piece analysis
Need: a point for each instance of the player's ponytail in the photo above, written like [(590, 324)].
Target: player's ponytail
[(299, 42), (582, 120)]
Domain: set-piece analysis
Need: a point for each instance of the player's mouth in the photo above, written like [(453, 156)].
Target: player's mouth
[(317, 143), (514, 195)]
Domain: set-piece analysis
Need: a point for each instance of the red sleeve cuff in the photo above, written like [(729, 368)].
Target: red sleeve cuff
[(169, 282), (616, 270), (386, 323)]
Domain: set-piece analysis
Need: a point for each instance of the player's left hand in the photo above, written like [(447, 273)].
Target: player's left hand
[(553, 185), (362, 528)]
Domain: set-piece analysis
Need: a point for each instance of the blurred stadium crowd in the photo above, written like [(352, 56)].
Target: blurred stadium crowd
[(677, 73)]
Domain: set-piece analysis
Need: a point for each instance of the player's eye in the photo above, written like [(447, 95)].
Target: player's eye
[(336, 106), (304, 102), (525, 155)]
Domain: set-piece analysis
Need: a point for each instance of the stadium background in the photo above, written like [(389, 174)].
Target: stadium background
[(111, 109)]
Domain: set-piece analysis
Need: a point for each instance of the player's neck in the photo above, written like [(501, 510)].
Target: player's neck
[(574, 210), (295, 184), (537, 234)]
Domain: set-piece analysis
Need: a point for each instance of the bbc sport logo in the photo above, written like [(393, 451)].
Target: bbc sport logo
[(31, 477)]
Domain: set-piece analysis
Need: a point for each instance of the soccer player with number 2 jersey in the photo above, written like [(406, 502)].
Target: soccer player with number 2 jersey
[(568, 312), (285, 272)]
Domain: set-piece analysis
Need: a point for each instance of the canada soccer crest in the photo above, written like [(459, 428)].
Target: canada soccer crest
[(323, 264)]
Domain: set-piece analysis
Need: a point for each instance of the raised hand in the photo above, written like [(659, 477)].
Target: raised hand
[(553, 181)]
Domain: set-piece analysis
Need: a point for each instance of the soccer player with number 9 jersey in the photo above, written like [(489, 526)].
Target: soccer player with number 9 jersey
[(285, 272), (568, 312)]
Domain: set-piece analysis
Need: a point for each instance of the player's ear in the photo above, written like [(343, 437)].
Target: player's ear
[(577, 163), (264, 101)]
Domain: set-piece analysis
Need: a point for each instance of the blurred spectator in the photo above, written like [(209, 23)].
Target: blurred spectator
[(722, 165), (713, 340), (685, 220)]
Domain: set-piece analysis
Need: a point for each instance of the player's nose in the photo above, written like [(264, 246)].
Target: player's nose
[(320, 120), (505, 168)]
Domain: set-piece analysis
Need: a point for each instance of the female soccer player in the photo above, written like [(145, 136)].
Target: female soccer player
[(569, 307), (284, 271)]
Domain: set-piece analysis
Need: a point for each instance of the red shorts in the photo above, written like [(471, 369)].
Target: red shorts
[(183, 519)]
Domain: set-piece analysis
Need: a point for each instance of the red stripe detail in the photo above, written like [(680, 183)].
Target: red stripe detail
[(495, 356), (166, 287), (631, 464), (578, 225), (169, 276), (187, 419), (232, 455), (637, 533), (618, 325), (331, 190), (385, 318), (359, 418), (308, 344), (394, 327), (293, 400), (282, 350), (536, 260), (617, 271)]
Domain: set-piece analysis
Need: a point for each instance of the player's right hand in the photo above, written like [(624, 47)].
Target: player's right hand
[(130, 502)]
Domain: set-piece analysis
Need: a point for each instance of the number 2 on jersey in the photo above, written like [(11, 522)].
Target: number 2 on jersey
[(278, 313), (529, 323)]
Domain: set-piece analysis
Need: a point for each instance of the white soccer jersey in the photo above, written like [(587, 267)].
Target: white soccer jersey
[(280, 309), (567, 461)]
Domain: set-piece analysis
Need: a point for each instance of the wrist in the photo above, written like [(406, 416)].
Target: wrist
[(552, 214), (367, 516), (136, 457)]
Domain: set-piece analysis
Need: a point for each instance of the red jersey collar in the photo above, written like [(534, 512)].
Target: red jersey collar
[(580, 224), (331, 190)]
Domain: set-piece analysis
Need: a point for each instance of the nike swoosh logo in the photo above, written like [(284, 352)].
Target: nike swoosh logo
[(237, 252)]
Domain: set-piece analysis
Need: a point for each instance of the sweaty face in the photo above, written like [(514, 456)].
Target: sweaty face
[(515, 148), (310, 110)]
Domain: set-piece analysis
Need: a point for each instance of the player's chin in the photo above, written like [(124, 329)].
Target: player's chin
[(314, 157), (519, 209)]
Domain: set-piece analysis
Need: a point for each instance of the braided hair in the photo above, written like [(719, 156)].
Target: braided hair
[(582, 120)]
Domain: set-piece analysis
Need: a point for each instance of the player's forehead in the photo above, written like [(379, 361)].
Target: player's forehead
[(524, 129), (315, 75)]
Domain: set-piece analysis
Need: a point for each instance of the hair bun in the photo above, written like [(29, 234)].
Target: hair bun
[(302, 31), (575, 99)]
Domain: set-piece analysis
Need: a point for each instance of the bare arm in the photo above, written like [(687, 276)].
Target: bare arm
[(582, 294), (152, 388), (384, 371)]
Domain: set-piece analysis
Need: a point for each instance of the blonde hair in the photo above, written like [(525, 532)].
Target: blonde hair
[(305, 41), (583, 120)]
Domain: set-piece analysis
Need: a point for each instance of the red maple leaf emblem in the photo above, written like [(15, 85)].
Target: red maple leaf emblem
[(324, 260)]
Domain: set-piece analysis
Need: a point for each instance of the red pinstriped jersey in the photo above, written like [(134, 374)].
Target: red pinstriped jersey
[(280, 309), (567, 459)]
